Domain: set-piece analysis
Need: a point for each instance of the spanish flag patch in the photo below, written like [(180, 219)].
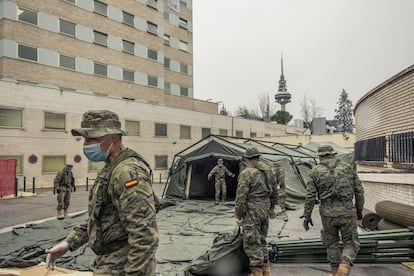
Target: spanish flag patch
[(131, 183)]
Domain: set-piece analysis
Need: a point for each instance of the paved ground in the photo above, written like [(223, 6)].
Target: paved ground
[(18, 211)]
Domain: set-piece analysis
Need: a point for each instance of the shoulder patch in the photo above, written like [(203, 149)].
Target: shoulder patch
[(131, 183)]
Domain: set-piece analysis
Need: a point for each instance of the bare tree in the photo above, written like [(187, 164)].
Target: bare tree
[(309, 110), (266, 107)]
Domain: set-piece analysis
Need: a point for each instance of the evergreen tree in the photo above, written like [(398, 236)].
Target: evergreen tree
[(344, 114), (281, 117)]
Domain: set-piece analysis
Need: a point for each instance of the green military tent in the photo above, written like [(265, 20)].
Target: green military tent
[(188, 173)]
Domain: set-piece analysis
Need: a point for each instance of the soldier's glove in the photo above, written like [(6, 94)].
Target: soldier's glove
[(54, 253), (306, 222), (359, 215), (239, 221), (272, 214), (58, 191)]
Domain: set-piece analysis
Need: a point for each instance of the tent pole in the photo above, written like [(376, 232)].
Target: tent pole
[(187, 186)]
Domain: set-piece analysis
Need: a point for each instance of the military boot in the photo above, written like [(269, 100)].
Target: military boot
[(266, 269), (334, 268), (343, 270), (65, 213), (256, 271), (60, 214)]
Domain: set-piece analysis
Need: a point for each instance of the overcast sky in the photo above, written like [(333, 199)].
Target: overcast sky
[(327, 45)]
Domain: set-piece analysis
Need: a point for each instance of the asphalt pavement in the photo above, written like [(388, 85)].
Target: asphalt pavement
[(29, 208)]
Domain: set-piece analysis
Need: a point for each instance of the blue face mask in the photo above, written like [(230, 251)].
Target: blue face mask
[(94, 153)]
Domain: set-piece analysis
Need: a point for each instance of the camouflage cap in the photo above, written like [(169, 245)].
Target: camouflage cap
[(251, 152), (220, 160), (326, 150), (98, 123)]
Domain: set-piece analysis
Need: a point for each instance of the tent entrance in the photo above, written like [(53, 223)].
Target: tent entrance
[(201, 188)]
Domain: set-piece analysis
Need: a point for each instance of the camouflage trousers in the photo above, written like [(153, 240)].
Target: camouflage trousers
[(63, 198), (220, 187), (282, 199), (115, 264), (255, 230), (347, 227)]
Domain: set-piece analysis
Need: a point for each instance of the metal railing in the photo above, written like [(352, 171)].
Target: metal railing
[(396, 148)]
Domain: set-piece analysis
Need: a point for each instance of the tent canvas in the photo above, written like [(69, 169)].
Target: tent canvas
[(188, 173)]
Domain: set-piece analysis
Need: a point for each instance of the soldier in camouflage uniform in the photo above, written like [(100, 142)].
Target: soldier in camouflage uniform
[(219, 172), (336, 184), (121, 228), (256, 198), (63, 184), (281, 184)]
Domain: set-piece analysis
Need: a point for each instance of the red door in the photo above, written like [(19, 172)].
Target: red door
[(7, 176)]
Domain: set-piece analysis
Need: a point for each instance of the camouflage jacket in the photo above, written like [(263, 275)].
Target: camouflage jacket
[(280, 177), (219, 173), (256, 190), (335, 183), (65, 179), (121, 213)]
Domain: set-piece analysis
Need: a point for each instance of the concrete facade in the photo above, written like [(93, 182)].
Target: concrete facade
[(33, 138), (147, 39), (383, 122)]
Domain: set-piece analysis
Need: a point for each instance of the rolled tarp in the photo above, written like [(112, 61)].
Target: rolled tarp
[(384, 224), (370, 219), (398, 213)]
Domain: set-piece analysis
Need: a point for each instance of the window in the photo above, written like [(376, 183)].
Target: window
[(128, 46), (127, 18), (67, 61), (11, 118), (253, 134), (167, 63), (239, 134), (128, 75), (184, 91), (152, 28), (183, 46), (185, 132), (161, 161), (99, 69), (100, 7), (152, 54), (205, 132), (167, 87), (152, 81), (19, 162), (182, 23), (183, 3), (183, 68), (53, 164), (67, 27), (71, 1), (26, 15), (160, 129), (152, 4), (166, 16), (100, 38), (95, 166), (27, 52), (267, 135), (132, 127), (167, 40), (54, 121), (223, 131)]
